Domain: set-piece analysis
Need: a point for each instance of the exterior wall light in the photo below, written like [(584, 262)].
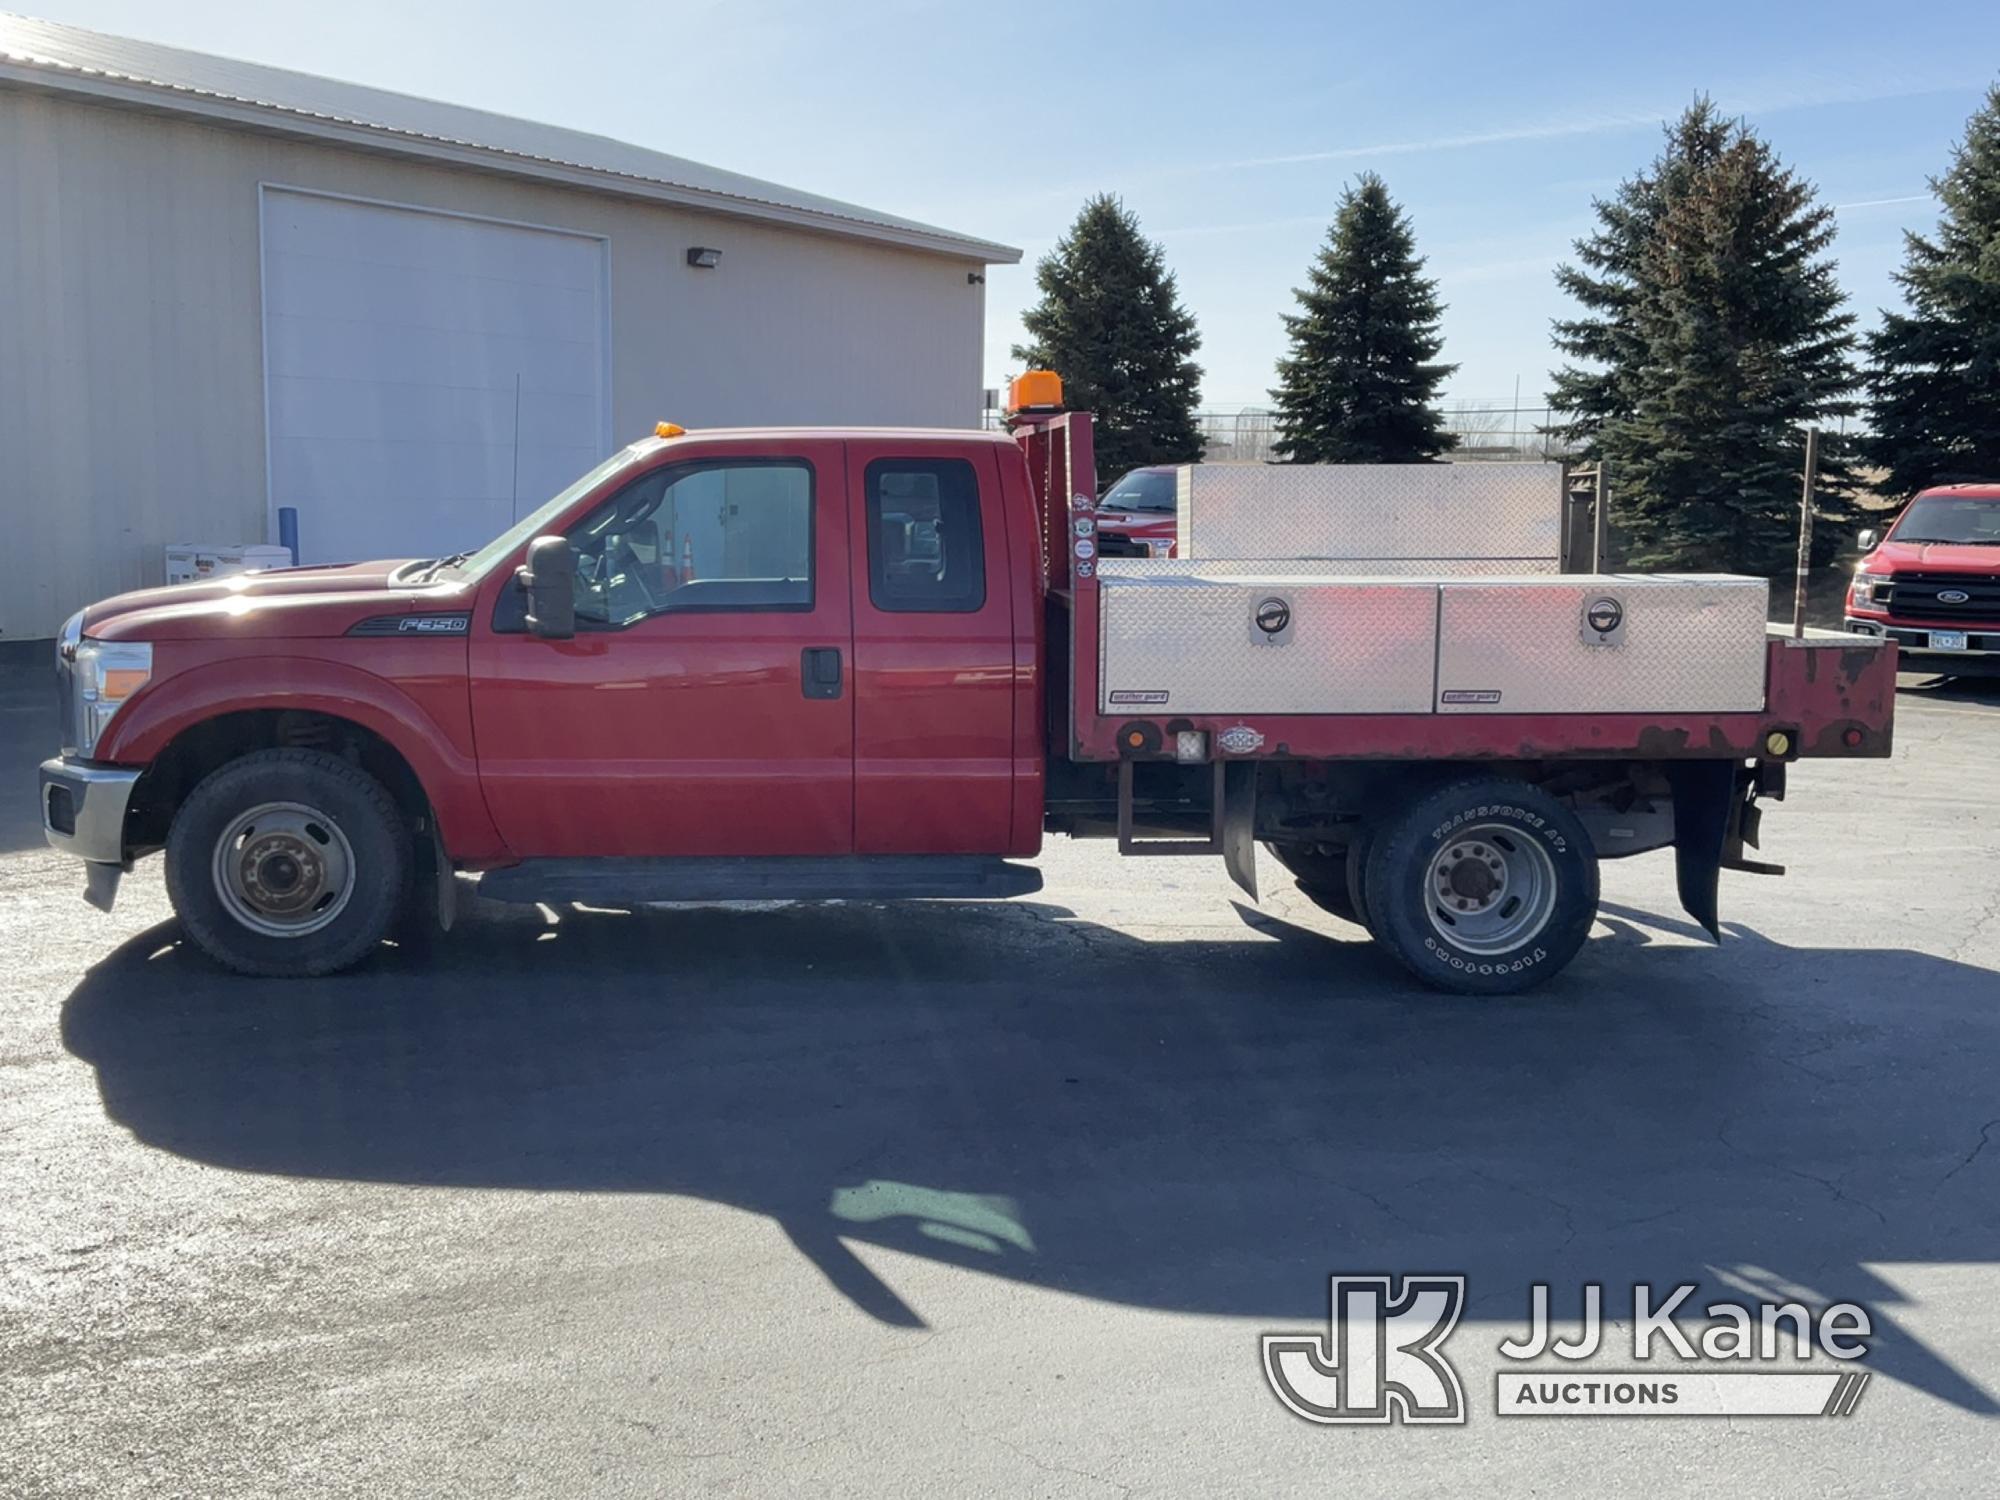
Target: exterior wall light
[(702, 256)]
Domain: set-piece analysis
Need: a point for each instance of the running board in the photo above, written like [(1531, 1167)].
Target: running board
[(857, 877)]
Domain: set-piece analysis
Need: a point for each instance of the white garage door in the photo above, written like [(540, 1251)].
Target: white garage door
[(428, 378)]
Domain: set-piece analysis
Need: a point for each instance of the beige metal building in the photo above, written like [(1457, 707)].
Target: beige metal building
[(227, 289)]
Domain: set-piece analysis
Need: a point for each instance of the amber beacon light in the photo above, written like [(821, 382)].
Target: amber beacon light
[(1035, 390)]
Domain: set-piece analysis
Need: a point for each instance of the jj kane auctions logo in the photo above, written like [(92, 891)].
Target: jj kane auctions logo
[(1381, 1358)]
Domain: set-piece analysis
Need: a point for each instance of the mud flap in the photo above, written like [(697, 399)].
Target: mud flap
[(100, 883), (447, 881), (1239, 824), (1705, 801)]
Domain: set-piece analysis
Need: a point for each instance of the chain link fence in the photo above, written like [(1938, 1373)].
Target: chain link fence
[(1486, 432)]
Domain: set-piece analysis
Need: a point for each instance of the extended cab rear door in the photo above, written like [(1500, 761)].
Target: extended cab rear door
[(934, 648), (705, 705)]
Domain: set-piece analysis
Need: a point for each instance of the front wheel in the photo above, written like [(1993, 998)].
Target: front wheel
[(1483, 887), (287, 863)]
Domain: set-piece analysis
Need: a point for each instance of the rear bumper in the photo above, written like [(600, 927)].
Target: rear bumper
[(83, 813)]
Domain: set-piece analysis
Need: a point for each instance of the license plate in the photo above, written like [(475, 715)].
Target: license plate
[(1947, 640)]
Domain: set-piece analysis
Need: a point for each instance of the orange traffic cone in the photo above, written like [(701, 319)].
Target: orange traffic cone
[(687, 560)]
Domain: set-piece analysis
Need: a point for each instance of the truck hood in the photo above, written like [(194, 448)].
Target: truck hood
[(284, 602), (1941, 557)]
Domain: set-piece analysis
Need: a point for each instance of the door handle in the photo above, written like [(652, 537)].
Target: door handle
[(819, 671)]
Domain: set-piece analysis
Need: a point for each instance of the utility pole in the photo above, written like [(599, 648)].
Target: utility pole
[(1805, 535)]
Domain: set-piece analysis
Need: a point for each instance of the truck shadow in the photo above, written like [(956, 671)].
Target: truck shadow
[(1208, 1126)]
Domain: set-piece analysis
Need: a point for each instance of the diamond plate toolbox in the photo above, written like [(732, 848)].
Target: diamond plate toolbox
[(1611, 643), (1439, 512), (1328, 567), (1278, 644)]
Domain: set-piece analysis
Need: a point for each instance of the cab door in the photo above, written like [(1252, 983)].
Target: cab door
[(934, 672), (705, 705)]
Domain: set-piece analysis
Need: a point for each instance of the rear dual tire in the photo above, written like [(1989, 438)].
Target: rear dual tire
[(1322, 876), (1482, 887)]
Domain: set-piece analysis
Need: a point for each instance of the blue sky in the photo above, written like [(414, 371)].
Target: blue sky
[(1229, 129)]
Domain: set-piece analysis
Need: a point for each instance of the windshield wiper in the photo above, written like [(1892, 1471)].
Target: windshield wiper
[(437, 565)]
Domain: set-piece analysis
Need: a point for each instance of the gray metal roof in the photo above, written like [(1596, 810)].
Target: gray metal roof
[(121, 70)]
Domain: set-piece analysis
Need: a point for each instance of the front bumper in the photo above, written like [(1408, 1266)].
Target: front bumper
[(83, 813), (1915, 652)]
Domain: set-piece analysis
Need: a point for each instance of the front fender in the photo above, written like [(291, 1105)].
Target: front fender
[(449, 775)]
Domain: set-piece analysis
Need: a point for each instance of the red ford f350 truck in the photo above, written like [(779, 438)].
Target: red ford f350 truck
[(882, 664), (1932, 584)]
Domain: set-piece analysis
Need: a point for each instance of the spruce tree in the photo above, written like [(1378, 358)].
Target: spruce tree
[(1111, 323), (1360, 384), (1713, 335), (1934, 389)]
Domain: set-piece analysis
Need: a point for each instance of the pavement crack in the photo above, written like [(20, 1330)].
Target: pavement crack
[(1046, 1466), (1985, 1136), (1568, 1213), (1833, 1187), (1984, 920)]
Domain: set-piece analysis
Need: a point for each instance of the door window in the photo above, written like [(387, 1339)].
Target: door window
[(731, 536), (924, 550)]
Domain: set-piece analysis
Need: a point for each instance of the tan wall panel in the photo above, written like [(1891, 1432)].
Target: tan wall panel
[(131, 379)]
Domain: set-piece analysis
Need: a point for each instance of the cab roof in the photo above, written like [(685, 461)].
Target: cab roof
[(749, 435)]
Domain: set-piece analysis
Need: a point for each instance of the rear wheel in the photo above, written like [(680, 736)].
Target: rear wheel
[(287, 863), (1358, 850), (1483, 887)]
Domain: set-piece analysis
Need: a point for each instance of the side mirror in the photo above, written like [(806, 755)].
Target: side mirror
[(549, 580), (1869, 539)]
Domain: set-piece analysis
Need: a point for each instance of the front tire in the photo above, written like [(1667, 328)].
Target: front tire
[(288, 863), (1483, 887)]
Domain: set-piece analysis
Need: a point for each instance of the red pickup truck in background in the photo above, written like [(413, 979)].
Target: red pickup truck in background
[(1136, 516), (877, 664), (1932, 583)]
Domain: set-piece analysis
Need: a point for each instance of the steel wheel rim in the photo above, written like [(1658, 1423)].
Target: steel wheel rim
[(1489, 889), (283, 869)]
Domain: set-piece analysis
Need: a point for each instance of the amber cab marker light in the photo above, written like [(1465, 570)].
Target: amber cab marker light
[(668, 429)]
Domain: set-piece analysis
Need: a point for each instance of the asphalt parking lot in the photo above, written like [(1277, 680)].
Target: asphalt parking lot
[(988, 1199)]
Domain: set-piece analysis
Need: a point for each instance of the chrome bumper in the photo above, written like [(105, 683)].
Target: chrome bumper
[(1916, 639), (83, 813)]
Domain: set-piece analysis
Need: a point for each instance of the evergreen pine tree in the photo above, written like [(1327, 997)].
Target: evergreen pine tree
[(1360, 383), (1934, 387), (1714, 335), (1111, 323)]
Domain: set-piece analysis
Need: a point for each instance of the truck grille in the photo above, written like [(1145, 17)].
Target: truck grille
[(1936, 596), (1113, 544)]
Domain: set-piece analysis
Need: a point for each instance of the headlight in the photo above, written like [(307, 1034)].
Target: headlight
[(106, 675), (1865, 585)]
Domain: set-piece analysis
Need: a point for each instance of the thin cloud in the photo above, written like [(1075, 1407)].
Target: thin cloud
[(1601, 124), (1841, 208), (1294, 221)]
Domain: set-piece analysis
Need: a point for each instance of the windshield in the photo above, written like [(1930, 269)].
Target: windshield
[(1143, 489), (1960, 520), (533, 524)]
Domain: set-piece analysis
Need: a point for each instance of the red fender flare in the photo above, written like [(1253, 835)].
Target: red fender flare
[(448, 775)]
